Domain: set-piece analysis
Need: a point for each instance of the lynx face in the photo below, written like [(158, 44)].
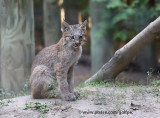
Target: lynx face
[(74, 35)]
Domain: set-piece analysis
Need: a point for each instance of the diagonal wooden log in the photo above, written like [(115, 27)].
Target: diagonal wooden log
[(124, 55)]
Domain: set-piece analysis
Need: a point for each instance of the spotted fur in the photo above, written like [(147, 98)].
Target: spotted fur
[(55, 64)]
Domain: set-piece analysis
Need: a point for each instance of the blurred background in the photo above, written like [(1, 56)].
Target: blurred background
[(27, 26)]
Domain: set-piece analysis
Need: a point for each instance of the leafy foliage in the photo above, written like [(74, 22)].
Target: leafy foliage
[(4, 93), (126, 19), (53, 88), (37, 106), (26, 89), (156, 83), (5, 102)]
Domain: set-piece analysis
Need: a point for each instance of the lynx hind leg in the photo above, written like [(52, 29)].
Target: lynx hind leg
[(41, 82)]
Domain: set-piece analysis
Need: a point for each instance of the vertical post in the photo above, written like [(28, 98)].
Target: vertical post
[(71, 11), (52, 22), (0, 58), (17, 42), (101, 46)]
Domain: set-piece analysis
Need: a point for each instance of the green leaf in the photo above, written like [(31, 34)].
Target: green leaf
[(116, 3), (130, 11), (98, 0), (25, 108), (140, 3), (157, 7), (122, 35), (119, 17), (134, 3)]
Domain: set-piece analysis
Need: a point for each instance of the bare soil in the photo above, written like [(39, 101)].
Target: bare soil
[(95, 101)]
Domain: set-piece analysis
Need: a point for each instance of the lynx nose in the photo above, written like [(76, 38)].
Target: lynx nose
[(77, 42)]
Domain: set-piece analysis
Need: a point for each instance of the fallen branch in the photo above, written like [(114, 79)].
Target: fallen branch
[(124, 55)]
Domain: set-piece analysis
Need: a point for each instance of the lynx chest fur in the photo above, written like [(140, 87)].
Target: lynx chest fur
[(55, 64), (71, 56)]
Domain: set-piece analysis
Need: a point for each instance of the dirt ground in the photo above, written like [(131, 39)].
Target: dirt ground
[(95, 101)]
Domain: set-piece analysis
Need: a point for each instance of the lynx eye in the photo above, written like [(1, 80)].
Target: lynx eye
[(72, 37), (67, 38), (66, 29), (80, 37)]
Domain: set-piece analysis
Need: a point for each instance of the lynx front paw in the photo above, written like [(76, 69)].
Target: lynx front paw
[(69, 97)]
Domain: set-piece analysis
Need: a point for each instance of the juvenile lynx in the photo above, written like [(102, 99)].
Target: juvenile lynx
[(55, 64)]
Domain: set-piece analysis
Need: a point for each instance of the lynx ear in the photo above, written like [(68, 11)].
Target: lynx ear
[(83, 25), (64, 26)]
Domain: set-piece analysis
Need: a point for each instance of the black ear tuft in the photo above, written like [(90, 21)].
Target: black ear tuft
[(64, 26), (83, 25)]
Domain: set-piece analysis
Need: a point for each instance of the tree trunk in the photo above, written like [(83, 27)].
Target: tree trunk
[(124, 55), (17, 42), (71, 11), (52, 22), (149, 55), (101, 46), (1, 11)]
